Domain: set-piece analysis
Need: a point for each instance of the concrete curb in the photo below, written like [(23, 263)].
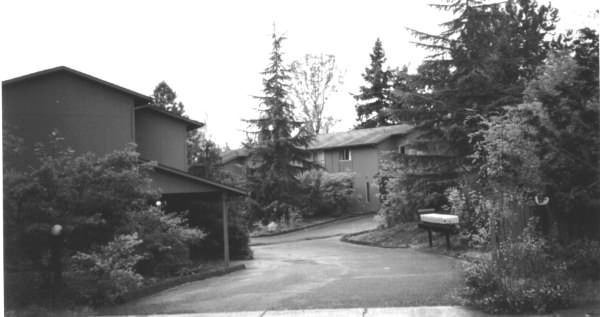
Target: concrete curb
[(163, 285), (313, 225), (257, 244), (346, 238)]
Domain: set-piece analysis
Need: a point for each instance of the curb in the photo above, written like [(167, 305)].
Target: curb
[(160, 286), (292, 241), (313, 225), (346, 238)]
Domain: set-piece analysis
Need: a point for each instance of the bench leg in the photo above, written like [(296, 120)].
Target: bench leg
[(430, 242), (448, 240)]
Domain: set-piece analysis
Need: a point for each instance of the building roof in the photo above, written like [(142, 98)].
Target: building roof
[(191, 124), (139, 99), (229, 156), (359, 137), (216, 185)]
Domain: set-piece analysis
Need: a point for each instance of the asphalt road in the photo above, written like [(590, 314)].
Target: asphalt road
[(294, 273)]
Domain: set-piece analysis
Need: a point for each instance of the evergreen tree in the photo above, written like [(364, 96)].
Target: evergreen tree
[(164, 97), (278, 154), (479, 64), (374, 99)]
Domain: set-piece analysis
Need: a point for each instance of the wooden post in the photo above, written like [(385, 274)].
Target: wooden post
[(430, 240), (225, 228)]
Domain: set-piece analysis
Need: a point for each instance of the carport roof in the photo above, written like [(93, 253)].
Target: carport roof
[(218, 187)]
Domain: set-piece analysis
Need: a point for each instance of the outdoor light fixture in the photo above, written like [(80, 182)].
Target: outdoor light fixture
[(56, 230), (541, 200), (158, 203)]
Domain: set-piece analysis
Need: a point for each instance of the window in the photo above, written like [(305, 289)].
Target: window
[(368, 192), (321, 158), (345, 155), (402, 150)]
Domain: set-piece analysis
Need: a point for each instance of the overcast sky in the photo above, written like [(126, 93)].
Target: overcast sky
[(211, 53)]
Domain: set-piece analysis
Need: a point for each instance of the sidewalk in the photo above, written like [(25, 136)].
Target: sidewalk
[(424, 311)]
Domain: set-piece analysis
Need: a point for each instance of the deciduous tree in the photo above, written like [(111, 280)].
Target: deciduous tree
[(314, 80)]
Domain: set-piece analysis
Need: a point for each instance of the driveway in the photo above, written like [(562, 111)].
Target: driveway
[(289, 272)]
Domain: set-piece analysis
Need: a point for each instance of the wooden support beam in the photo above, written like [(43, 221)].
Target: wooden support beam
[(225, 228)]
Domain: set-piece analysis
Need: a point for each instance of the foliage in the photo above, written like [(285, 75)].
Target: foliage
[(89, 196), (374, 99), (409, 182), (207, 217), (327, 193), (113, 266), (582, 258), (569, 145), (204, 156), (167, 239), (36, 311), (523, 277), (314, 80), (279, 154), (473, 210), (164, 97), (480, 63)]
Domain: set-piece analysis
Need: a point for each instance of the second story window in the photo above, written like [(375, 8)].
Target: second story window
[(345, 155)]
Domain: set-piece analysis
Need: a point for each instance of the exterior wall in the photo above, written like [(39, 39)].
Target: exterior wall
[(90, 116), (161, 138), (364, 164)]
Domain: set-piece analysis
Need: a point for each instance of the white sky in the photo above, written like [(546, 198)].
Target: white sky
[(211, 53)]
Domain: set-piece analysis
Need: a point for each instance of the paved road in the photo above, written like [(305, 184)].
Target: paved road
[(317, 273)]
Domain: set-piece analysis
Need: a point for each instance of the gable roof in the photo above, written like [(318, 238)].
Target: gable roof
[(191, 124), (359, 137), (139, 99), (229, 156)]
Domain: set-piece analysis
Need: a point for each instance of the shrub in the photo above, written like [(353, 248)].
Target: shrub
[(582, 258), (167, 239), (326, 193), (409, 182), (523, 276), (113, 266), (207, 217), (473, 211)]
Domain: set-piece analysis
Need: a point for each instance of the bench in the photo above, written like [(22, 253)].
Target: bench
[(432, 221)]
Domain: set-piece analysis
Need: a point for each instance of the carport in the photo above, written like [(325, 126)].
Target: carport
[(180, 189)]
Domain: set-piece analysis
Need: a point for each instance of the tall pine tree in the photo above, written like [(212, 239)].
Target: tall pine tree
[(373, 102), (278, 154), (479, 63)]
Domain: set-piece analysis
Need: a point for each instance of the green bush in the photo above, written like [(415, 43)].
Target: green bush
[(113, 267), (523, 276), (326, 193)]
